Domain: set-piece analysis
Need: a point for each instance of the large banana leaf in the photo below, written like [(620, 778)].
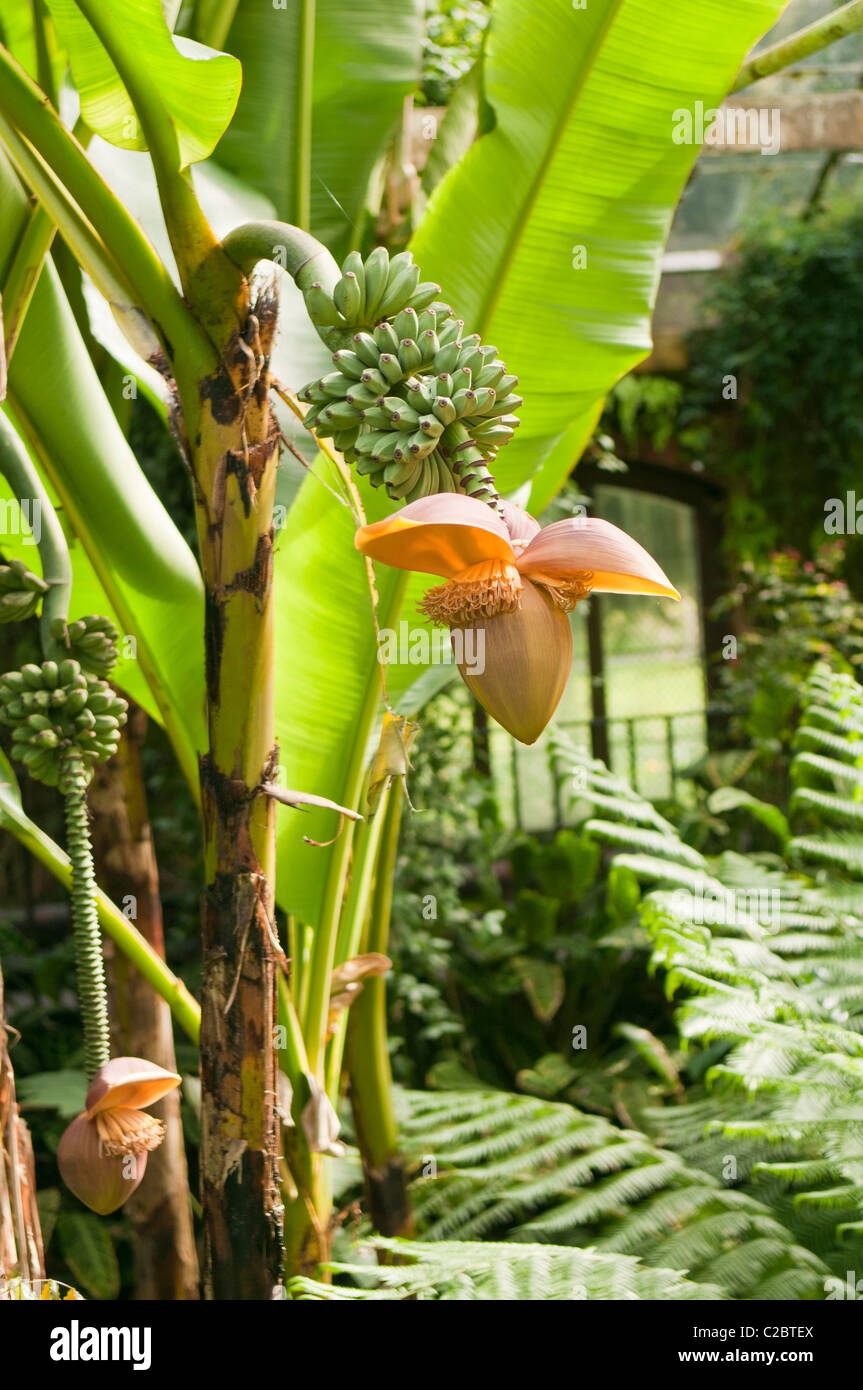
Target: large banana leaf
[(149, 576), (581, 153), (366, 60), (197, 88)]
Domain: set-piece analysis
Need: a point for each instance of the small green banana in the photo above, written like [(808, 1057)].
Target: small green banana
[(391, 367), (402, 280), (321, 309), (446, 357), (348, 364), (377, 266), (484, 399), (386, 337), (444, 409), (366, 349), (424, 295), (429, 346), (348, 298), (462, 380), (406, 324), (464, 402), (377, 418), (410, 355), (341, 413)]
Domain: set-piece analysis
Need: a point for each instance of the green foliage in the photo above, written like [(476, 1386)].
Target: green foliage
[(303, 134), (784, 320), (745, 1171), (509, 954), (510, 1166), (454, 34), (199, 91), (645, 407), (788, 612), (467, 1271), (86, 1247), (496, 224)]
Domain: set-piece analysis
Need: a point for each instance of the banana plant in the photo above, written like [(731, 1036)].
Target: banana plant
[(261, 649)]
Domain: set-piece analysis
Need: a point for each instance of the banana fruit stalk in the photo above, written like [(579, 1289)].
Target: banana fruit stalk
[(56, 709), (417, 406), (20, 592)]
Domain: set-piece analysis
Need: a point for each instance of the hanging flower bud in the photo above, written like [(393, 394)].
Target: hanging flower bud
[(103, 1152), (510, 585)]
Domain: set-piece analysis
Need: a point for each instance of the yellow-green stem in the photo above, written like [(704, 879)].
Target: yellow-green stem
[(352, 926), (324, 944), (368, 1056)]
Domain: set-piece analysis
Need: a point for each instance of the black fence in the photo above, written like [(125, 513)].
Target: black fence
[(652, 751)]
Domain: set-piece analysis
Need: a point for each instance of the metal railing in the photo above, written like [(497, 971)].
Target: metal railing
[(651, 751)]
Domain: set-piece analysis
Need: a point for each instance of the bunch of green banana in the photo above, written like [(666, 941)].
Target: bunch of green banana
[(92, 641), (56, 708), (367, 292), (414, 404), (20, 592)]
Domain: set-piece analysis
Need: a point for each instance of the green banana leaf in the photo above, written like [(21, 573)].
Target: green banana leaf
[(581, 156), (366, 60), (14, 819), (150, 578), (580, 153), (197, 88), (18, 30)]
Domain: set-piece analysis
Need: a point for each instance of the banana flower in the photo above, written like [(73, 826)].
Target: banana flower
[(514, 582), (103, 1152)]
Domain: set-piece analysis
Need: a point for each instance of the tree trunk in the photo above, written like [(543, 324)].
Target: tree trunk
[(234, 450), (21, 1254), (166, 1262)]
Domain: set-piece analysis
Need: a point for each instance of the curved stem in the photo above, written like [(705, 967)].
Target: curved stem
[(296, 251), (24, 480), (209, 283), (90, 966)]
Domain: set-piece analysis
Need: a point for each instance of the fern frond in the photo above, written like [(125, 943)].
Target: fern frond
[(838, 807), (466, 1271), (652, 842), (839, 852)]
